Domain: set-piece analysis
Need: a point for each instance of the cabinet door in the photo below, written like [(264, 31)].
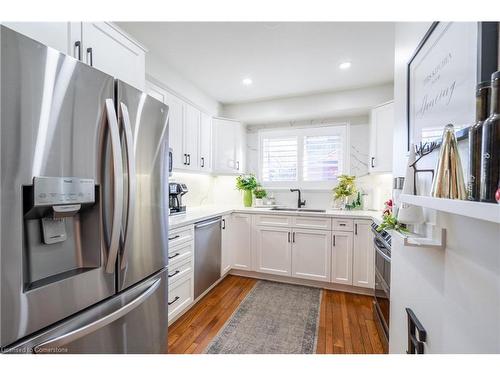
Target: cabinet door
[(175, 129), (381, 135), (272, 248), (226, 244), (191, 131), (61, 36), (363, 255), (241, 241), (205, 160), (224, 148), (239, 147), (342, 249), (311, 252), (108, 49)]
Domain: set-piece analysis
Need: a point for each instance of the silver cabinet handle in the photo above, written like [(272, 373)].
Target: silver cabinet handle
[(293, 237), (237, 165), (288, 236), (174, 237), (188, 159), (131, 178), (372, 163), (99, 323), (174, 300), (334, 241), (173, 256), (117, 185), (223, 223), (185, 159), (356, 229), (90, 57), (78, 50), (202, 162)]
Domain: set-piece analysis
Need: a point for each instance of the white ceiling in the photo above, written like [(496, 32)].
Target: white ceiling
[(282, 58)]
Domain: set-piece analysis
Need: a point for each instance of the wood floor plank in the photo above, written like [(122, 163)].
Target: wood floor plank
[(337, 324), (346, 322), (321, 346)]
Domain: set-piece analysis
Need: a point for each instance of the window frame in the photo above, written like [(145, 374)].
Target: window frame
[(300, 132)]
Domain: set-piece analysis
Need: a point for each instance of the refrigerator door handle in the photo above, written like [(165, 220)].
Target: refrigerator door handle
[(99, 323), (131, 179), (114, 242)]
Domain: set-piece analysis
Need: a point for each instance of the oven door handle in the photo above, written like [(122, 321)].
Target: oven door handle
[(382, 254)]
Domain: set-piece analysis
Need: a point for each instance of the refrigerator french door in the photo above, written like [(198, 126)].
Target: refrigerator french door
[(77, 275)]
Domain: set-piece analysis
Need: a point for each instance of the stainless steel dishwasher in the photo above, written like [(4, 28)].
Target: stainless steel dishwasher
[(207, 254)]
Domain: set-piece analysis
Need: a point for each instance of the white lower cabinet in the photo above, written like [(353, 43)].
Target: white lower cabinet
[(272, 247), (226, 253), (342, 258), (180, 296), (363, 264), (311, 252), (241, 241)]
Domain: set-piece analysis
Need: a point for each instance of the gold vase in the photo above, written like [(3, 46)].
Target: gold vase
[(449, 178)]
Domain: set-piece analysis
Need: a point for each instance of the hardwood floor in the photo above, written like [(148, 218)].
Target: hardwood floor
[(346, 322)]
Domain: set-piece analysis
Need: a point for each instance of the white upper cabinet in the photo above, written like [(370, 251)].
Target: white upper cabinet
[(381, 128), (311, 251), (62, 36), (363, 265), (190, 131), (107, 48), (191, 137), (229, 146), (205, 157), (342, 258), (100, 44)]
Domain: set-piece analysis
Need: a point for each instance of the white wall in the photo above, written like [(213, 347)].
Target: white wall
[(161, 72), (333, 104), (454, 292)]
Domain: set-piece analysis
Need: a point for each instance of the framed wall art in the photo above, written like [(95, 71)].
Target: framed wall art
[(442, 76)]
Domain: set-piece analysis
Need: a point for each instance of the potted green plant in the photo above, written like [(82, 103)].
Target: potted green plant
[(345, 188), (247, 184), (260, 193)]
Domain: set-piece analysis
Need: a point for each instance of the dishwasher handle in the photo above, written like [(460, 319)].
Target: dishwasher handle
[(204, 224)]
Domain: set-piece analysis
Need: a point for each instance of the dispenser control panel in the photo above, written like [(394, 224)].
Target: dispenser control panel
[(49, 191)]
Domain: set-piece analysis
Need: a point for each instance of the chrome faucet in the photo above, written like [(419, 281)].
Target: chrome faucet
[(300, 202)]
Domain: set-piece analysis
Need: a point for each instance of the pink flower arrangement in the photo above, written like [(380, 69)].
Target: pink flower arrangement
[(388, 208)]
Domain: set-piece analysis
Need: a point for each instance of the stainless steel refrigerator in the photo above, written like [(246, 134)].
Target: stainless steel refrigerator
[(84, 207)]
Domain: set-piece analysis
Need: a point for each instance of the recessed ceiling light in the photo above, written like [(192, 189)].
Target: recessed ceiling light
[(247, 81), (345, 65)]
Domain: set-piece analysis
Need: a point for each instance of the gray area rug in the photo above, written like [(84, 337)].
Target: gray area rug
[(274, 318)]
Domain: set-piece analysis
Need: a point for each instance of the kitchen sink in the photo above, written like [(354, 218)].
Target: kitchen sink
[(286, 209)]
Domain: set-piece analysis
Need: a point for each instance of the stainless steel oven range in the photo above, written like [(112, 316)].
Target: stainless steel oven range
[(382, 245)]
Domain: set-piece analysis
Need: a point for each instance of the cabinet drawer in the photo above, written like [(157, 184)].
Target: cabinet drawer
[(179, 253), (180, 235), (180, 296), (180, 270), (273, 220), (312, 222), (343, 224)]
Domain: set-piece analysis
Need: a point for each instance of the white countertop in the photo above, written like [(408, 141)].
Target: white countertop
[(195, 214)]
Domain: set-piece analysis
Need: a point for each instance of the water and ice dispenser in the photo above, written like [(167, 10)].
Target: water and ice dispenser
[(61, 229)]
